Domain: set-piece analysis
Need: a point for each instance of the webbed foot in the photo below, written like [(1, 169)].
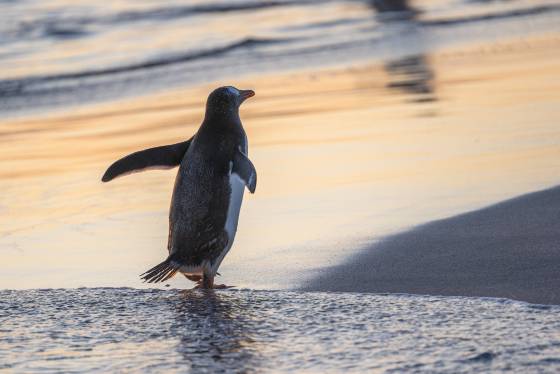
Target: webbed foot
[(200, 286), (206, 282), (222, 287)]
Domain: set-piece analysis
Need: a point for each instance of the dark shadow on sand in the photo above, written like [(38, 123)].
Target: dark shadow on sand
[(511, 250)]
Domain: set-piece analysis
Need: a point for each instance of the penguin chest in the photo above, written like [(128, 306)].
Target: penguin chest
[(235, 199)]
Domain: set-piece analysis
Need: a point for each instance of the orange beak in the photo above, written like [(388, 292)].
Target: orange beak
[(245, 94)]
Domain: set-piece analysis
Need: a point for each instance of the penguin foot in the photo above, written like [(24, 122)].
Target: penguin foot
[(201, 286), (206, 282), (222, 287)]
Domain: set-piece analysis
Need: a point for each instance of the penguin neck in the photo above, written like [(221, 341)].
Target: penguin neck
[(222, 116)]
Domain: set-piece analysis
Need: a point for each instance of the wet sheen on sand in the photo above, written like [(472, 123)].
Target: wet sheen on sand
[(110, 330)]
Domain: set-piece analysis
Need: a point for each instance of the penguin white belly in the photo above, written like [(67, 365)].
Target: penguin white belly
[(235, 200)]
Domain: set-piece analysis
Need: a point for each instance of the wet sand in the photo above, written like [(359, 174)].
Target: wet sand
[(248, 331), (509, 250), (344, 155)]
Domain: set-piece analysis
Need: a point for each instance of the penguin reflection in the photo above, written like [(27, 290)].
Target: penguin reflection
[(215, 331), (412, 74)]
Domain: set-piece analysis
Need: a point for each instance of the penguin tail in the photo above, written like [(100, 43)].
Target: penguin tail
[(161, 272)]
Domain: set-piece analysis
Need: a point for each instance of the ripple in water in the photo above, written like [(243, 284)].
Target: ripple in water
[(217, 40), (245, 331)]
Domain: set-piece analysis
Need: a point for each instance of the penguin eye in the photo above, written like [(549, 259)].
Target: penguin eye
[(233, 91)]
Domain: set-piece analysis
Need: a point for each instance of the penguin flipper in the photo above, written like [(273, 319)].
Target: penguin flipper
[(164, 157), (244, 168)]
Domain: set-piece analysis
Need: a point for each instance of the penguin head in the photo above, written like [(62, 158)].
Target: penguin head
[(226, 100)]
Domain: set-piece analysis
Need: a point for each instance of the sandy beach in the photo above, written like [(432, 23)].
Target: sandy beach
[(365, 160), (508, 250)]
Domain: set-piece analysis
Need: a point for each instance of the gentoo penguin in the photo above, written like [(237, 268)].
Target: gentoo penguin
[(213, 171)]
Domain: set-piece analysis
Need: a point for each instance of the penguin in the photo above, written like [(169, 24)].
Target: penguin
[(214, 170)]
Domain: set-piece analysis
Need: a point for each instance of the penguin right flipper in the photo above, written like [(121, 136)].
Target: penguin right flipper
[(244, 168), (164, 157)]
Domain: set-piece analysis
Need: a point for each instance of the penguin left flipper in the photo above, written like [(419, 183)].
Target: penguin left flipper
[(244, 168), (164, 157)]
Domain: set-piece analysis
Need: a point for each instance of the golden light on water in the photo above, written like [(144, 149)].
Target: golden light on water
[(340, 154)]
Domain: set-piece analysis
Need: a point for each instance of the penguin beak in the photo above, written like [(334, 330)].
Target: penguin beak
[(245, 94)]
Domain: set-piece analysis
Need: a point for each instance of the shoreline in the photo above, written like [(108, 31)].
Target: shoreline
[(508, 250), (347, 139)]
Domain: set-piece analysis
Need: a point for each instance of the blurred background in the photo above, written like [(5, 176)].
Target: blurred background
[(370, 117)]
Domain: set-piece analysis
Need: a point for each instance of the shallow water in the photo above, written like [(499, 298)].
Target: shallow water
[(344, 156), (107, 329), (62, 53), (385, 120)]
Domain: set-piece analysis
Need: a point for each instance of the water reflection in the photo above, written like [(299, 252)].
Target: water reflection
[(215, 331), (411, 75), (394, 9)]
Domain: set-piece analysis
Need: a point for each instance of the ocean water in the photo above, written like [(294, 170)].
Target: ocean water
[(63, 53), (130, 330)]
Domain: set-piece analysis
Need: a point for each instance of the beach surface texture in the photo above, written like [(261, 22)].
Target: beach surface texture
[(510, 250)]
